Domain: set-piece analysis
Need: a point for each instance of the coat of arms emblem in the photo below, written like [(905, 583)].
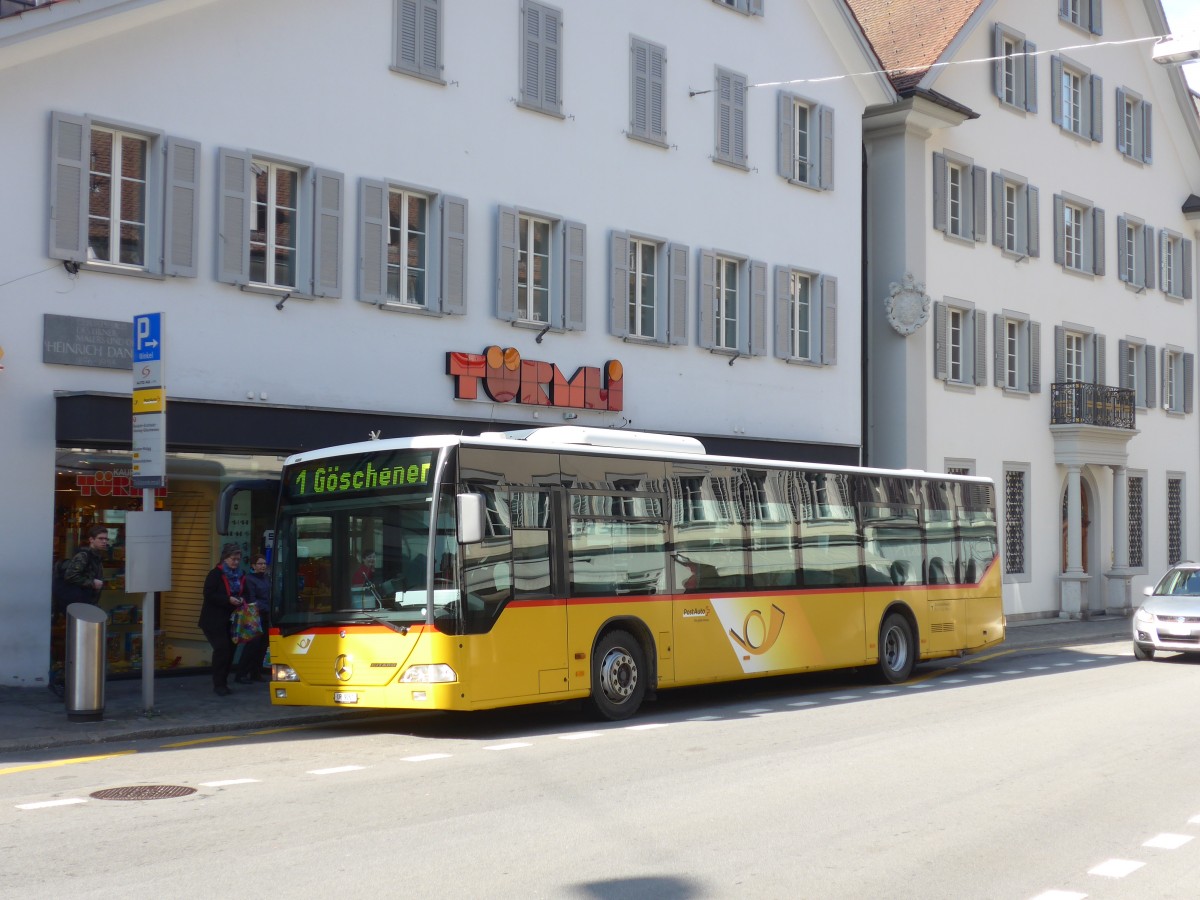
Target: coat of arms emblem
[(907, 305)]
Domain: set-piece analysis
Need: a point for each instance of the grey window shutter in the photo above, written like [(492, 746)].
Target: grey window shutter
[(454, 256), (939, 192), (786, 126), (1189, 377), (551, 60), (507, 244), (373, 235), (431, 38), (998, 209), (618, 308), (1031, 85), (979, 201), (1185, 249), (70, 143), (1100, 344), (941, 369), (639, 84), (1120, 129), (1096, 17), (574, 276), (783, 310), (1097, 97), (998, 61), (1164, 378), (658, 93), (1148, 262), (999, 359), (1064, 8), (708, 298), (233, 217), (758, 308), (677, 300), (1147, 132), (1151, 356), (408, 36), (1060, 255), (540, 57), (1124, 267), (1164, 277), (1056, 76), (1060, 354), (531, 52), (829, 301), (329, 191), (980, 348), (1098, 241), (1035, 357), (181, 213), (1124, 377), (1034, 247), (754, 7), (825, 115)]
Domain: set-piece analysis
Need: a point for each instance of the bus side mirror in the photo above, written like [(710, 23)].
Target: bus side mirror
[(472, 512)]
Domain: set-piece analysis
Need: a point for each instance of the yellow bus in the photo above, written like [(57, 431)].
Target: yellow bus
[(463, 573)]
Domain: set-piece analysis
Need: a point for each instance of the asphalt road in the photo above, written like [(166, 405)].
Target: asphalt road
[(1005, 776)]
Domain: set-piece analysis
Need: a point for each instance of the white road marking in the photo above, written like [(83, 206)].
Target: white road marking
[(919, 684), (515, 745), (1167, 841), (1060, 665), (754, 712), (884, 691), (425, 757), (45, 803), (804, 703), (335, 770), (579, 736), (1116, 868), (1038, 668), (229, 782), (714, 718), (953, 680), (1060, 895), (983, 675), (647, 727), (846, 697), (1013, 672)]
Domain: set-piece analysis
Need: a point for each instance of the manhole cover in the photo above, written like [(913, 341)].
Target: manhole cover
[(143, 792)]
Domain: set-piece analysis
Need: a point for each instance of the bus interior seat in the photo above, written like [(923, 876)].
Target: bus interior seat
[(899, 570), (937, 571), (970, 577)]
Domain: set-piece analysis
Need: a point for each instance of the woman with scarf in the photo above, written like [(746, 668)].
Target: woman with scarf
[(222, 596)]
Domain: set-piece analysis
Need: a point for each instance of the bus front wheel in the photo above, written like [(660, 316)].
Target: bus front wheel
[(618, 676), (897, 650)]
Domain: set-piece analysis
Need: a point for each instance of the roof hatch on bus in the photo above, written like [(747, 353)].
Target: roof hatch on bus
[(557, 435)]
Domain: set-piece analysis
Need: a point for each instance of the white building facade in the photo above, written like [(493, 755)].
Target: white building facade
[(1036, 184), (399, 217)]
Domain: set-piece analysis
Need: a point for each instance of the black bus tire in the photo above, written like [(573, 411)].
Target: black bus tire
[(897, 649), (619, 675)]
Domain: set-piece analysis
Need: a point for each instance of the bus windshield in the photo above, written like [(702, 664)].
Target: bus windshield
[(353, 541)]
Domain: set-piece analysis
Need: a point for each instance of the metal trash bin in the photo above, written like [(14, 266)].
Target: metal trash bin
[(86, 626)]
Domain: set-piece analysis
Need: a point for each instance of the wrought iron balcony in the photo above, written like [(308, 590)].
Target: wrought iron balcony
[(1078, 403)]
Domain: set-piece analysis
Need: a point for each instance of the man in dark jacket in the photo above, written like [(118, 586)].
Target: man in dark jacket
[(85, 571)]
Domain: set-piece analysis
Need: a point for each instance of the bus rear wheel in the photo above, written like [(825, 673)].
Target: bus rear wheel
[(897, 650), (618, 676)]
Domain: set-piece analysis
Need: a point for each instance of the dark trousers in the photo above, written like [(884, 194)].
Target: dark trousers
[(251, 662), (222, 647)]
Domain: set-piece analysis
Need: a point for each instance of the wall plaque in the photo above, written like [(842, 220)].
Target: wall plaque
[(99, 343)]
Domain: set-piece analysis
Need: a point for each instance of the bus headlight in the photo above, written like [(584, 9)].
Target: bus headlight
[(429, 674), (280, 672)]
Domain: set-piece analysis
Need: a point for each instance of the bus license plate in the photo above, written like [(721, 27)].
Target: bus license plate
[(344, 697)]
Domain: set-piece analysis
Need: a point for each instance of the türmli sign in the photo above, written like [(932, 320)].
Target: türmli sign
[(506, 378)]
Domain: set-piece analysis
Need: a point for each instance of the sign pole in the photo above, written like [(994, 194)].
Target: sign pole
[(149, 656)]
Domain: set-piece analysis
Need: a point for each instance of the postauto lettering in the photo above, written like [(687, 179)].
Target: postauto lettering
[(334, 477)]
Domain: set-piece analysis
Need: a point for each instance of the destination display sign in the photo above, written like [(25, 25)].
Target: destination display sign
[(396, 470)]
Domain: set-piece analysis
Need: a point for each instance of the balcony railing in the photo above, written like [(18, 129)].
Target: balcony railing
[(1078, 403)]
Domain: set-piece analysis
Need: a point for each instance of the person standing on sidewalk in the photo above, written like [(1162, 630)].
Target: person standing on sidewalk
[(85, 572), (257, 591), (222, 596)]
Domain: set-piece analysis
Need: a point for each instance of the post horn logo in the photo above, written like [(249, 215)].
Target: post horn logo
[(760, 638)]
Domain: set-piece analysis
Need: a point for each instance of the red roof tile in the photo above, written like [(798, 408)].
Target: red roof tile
[(911, 34)]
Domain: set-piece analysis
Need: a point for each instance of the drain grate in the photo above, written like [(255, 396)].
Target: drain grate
[(143, 792)]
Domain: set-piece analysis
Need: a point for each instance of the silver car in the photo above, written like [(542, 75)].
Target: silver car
[(1169, 617)]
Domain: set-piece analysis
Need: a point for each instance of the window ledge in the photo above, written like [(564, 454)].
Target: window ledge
[(1134, 287), (646, 139), (537, 326), (1018, 393), (1014, 107), (959, 387), (1079, 273), (801, 361), (278, 293), (1077, 135), (117, 269), (1015, 256), (1134, 160), (410, 308), (432, 79), (1177, 297), (959, 239), (805, 184), (644, 341), (552, 113), (731, 163)]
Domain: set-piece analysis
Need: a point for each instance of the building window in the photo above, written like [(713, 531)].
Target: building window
[(542, 270), (959, 197), (1015, 216), (748, 7), (733, 304), (730, 118), (417, 47), (279, 225), (1175, 264), (122, 200), (649, 289), (1134, 126), (541, 58), (1078, 355), (1078, 235), (1135, 250), (805, 316), (1074, 356), (1136, 518), (647, 87), (1177, 376), (1017, 342), (1174, 519), (1015, 68), (1137, 371), (960, 341), (1076, 96), (1016, 521), (805, 142), (414, 248), (1085, 14)]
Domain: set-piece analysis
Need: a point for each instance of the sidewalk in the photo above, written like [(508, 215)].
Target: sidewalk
[(33, 718)]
